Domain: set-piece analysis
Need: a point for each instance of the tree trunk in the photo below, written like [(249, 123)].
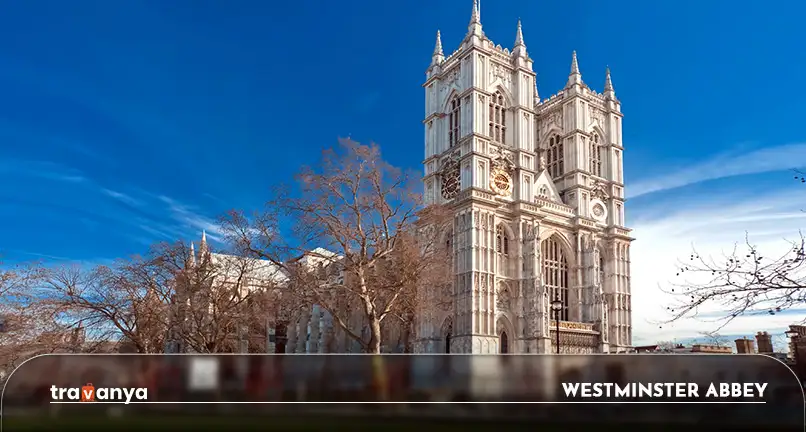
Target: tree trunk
[(374, 344)]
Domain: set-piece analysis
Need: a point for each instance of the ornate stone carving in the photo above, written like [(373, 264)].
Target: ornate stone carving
[(598, 190), (596, 115), (501, 72), (452, 76), (504, 299), (554, 118), (502, 160)]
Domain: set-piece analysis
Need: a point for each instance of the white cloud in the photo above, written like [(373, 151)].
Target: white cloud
[(727, 165), (190, 216), (122, 197), (712, 227)]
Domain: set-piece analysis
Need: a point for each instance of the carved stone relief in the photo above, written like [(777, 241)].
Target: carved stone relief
[(554, 118), (501, 72), (598, 190), (452, 76), (504, 300), (596, 115)]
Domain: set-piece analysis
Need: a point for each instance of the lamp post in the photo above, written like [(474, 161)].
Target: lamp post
[(556, 306)]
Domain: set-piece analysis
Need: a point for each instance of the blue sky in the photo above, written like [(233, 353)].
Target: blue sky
[(124, 123)]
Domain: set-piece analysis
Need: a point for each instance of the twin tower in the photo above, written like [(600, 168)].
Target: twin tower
[(539, 244)]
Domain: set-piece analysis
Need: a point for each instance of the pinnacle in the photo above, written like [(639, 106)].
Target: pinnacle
[(608, 81), (519, 36), (438, 46)]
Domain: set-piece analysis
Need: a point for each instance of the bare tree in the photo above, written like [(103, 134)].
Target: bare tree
[(666, 346), (741, 282), (355, 246), (202, 304), (123, 302), (26, 327), (714, 338)]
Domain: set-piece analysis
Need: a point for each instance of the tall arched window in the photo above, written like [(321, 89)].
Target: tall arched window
[(498, 118), (501, 241), (595, 155), (554, 159), (555, 273), (454, 117)]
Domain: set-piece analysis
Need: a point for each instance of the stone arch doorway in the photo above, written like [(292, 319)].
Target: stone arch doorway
[(447, 334), (503, 342)]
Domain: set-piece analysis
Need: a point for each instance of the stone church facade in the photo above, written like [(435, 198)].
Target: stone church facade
[(538, 193)]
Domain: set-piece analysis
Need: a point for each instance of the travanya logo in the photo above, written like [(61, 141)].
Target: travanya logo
[(89, 393)]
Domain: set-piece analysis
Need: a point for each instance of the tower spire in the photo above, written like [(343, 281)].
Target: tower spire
[(438, 56), (609, 91), (520, 47), (204, 249), (575, 77), (519, 35), (438, 46), (474, 28)]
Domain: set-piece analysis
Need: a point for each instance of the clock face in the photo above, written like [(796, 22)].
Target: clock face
[(598, 210), (501, 183), (450, 180)]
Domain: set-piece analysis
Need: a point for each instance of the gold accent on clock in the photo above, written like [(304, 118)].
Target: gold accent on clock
[(501, 183)]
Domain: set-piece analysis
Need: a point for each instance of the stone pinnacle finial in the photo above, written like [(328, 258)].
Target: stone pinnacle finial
[(438, 46), (519, 36), (537, 95), (574, 77), (474, 28), (608, 82), (475, 17)]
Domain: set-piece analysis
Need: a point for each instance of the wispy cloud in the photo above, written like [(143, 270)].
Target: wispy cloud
[(42, 169), (122, 197), (712, 224), (192, 217), (723, 166)]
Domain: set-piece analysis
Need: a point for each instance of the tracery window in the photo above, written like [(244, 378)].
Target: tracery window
[(595, 155), (555, 273), (554, 159), (501, 241), (454, 117), (498, 118)]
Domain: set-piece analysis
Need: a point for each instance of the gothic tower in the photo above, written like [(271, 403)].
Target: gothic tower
[(538, 195)]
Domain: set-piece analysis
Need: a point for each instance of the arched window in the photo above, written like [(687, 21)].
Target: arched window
[(501, 241), (498, 118), (454, 117), (554, 161), (595, 155), (448, 335), (555, 273), (504, 342)]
